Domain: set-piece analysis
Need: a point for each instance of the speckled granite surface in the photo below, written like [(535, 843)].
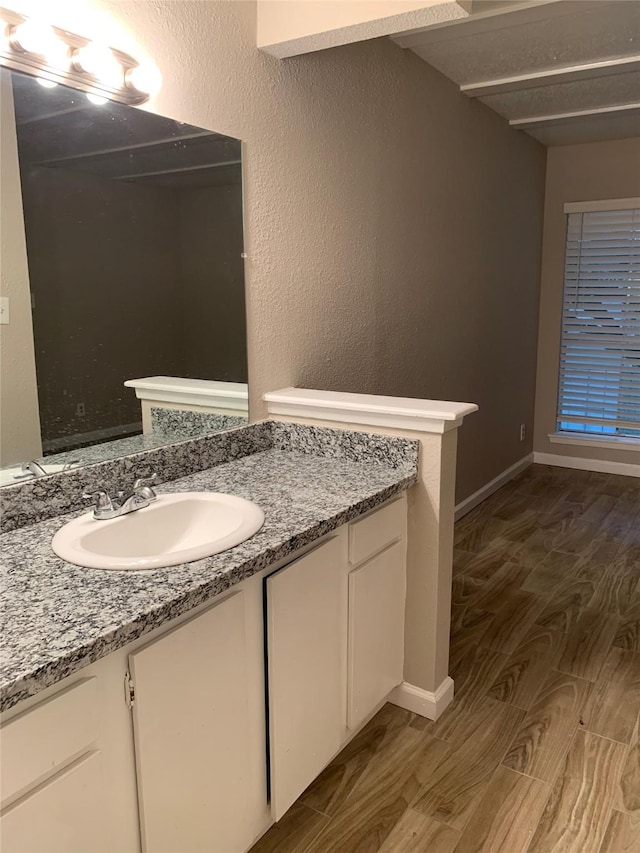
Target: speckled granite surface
[(344, 444), (179, 422), (57, 618), (37, 499), (109, 450), (169, 427), (46, 497)]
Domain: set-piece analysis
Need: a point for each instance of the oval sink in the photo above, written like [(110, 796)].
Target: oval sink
[(173, 529)]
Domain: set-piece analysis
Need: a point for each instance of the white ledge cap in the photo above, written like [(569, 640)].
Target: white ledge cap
[(404, 413), (195, 392)]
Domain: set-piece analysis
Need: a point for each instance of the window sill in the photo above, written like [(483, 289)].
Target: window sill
[(609, 441)]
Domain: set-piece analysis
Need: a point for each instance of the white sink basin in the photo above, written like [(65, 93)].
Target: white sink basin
[(173, 529)]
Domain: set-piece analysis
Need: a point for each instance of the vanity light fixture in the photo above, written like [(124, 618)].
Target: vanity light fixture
[(100, 62), (56, 56), (144, 78), (97, 100), (39, 39)]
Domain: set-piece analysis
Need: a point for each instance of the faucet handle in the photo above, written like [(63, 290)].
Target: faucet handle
[(143, 487), (100, 498), (143, 482)]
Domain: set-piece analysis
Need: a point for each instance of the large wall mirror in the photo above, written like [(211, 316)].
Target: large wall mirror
[(133, 230)]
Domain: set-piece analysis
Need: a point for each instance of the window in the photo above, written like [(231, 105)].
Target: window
[(599, 387)]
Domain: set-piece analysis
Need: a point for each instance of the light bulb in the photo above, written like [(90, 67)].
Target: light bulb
[(46, 84), (98, 100), (39, 38), (99, 61), (145, 79)]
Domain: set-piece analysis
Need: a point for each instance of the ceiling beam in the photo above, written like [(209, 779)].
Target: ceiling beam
[(102, 152), (134, 176), (551, 76), (503, 17), (52, 115), (561, 118)]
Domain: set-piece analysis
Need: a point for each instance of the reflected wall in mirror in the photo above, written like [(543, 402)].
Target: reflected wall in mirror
[(133, 230)]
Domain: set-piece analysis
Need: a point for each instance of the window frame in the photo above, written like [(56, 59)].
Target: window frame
[(619, 442)]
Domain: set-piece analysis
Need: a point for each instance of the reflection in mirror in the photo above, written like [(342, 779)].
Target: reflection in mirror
[(133, 230)]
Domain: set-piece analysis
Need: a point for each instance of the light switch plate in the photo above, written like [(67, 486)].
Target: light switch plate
[(4, 310)]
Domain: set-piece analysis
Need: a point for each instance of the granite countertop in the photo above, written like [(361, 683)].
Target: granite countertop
[(57, 618), (169, 427)]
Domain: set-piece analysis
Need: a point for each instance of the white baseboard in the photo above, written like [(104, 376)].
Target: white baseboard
[(423, 702), (489, 488), (626, 469)]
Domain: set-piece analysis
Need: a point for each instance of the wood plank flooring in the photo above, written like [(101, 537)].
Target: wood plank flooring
[(540, 750)]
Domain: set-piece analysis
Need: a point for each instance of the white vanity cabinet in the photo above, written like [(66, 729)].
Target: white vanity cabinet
[(159, 746), (306, 615), (168, 744), (335, 645), (191, 722)]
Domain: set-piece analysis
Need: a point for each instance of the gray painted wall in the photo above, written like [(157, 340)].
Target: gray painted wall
[(392, 225)]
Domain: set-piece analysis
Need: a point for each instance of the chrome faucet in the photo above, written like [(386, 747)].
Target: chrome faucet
[(33, 468), (140, 496)]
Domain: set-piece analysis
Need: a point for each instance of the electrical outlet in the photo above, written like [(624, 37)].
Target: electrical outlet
[(80, 412), (523, 432)]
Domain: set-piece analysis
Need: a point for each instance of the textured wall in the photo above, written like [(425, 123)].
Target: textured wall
[(19, 423), (392, 225), (598, 170)]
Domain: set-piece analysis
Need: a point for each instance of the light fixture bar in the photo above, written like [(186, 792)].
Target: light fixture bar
[(19, 52)]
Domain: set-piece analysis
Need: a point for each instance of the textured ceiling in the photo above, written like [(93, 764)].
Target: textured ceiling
[(594, 45)]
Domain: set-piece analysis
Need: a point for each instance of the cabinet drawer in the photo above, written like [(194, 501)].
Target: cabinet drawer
[(64, 815), (47, 736), (371, 534)]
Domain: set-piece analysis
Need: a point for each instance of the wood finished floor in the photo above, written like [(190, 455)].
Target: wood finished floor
[(540, 750)]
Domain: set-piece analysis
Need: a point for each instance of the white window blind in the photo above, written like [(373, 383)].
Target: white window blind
[(599, 388)]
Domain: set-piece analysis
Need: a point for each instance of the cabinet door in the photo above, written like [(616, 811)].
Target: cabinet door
[(63, 815), (376, 631), (190, 726), (305, 615)]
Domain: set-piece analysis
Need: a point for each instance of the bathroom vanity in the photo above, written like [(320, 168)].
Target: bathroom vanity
[(187, 708)]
